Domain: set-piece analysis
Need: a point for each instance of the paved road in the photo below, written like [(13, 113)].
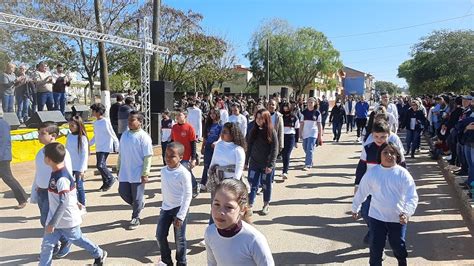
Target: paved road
[(309, 219)]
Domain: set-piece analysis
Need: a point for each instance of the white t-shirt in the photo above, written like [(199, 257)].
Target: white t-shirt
[(134, 147), (241, 122), (71, 217), (311, 119), (228, 153), (104, 136), (195, 119), (247, 247), (224, 116), (176, 189), (79, 158), (43, 171)]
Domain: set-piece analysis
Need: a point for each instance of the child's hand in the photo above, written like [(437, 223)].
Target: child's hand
[(49, 229), (177, 223), (403, 218), (144, 179), (355, 215)]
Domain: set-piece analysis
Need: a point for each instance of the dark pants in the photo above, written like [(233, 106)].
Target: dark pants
[(413, 137), (164, 144), (396, 237), (350, 122), (360, 123), (81, 194), (45, 98), (208, 152), (133, 193), (323, 120), (12, 183), (469, 155), (59, 101), (336, 129), (255, 176), (289, 143), (193, 178), (165, 221), (107, 177)]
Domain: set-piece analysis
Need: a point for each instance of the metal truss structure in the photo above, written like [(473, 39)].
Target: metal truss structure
[(145, 45)]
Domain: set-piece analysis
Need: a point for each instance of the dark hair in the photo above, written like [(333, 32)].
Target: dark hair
[(237, 137), (98, 108), (138, 114), (119, 97), (81, 131), (59, 65), (55, 152), (393, 147), (267, 126), (129, 100), (176, 145), (286, 104), (181, 110), (239, 190), (50, 127), (381, 127), (209, 121)]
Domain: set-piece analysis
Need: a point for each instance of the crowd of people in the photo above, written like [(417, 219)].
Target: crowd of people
[(241, 141)]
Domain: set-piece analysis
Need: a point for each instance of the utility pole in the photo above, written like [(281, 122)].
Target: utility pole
[(155, 62), (268, 69)]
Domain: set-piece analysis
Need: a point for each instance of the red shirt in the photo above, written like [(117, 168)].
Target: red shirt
[(184, 134)]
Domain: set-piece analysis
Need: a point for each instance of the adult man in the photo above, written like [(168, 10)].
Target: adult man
[(324, 110), (349, 107), (59, 88), (8, 81), (123, 114), (44, 86), (361, 114), (24, 93), (113, 112)]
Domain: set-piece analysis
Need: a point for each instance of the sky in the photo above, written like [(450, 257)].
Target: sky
[(237, 20)]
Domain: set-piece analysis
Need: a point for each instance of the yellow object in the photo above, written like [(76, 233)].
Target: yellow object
[(26, 150)]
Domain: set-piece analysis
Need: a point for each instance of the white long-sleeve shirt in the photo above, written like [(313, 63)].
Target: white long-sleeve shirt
[(247, 247), (195, 119), (228, 153), (241, 122), (224, 116), (176, 189), (80, 157), (104, 138), (393, 193)]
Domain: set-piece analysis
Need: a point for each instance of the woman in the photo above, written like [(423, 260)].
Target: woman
[(310, 132), (394, 200), (212, 132), (337, 118), (261, 157), (414, 121), (291, 123)]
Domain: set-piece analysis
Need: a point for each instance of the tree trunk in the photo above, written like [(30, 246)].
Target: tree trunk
[(155, 34), (104, 72)]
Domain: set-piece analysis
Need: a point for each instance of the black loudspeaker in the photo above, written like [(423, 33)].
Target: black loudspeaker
[(284, 92), (311, 93), (12, 120), (45, 116), (161, 96), (155, 128), (68, 113), (81, 110)]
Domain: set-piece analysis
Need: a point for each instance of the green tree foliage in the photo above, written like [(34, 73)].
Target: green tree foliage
[(387, 86), (442, 61), (297, 56)]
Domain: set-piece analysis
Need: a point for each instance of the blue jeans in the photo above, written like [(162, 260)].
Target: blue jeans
[(396, 237), (133, 193), (308, 147), (208, 152), (7, 103), (413, 138), (336, 129), (43, 205), (162, 230), (101, 164), (186, 164), (74, 235), (289, 143), (59, 101), (469, 155), (23, 105), (45, 98), (255, 176), (81, 194)]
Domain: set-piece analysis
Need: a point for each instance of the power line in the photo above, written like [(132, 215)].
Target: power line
[(375, 48), (401, 28)]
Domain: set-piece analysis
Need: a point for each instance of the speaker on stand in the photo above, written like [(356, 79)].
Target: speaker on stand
[(45, 116)]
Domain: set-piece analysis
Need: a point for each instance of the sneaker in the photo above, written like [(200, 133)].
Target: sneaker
[(202, 243), (203, 188), (100, 261), (83, 210), (265, 209), (21, 205), (259, 192), (134, 223), (284, 176), (196, 191), (56, 250), (108, 187), (63, 251)]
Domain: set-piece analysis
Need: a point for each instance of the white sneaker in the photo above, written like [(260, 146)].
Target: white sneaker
[(202, 243), (284, 176)]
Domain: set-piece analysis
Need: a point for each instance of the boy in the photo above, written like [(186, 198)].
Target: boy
[(64, 216), (183, 133), (47, 133), (105, 142), (177, 194), (133, 165), (166, 126)]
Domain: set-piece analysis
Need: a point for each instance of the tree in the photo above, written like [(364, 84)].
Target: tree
[(442, 61), (297, 56), (387, 86)]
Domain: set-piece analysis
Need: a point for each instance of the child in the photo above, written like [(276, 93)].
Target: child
[(166, 126), (64, 217), (184, 133), (47, 133), (105, 142), (133, 165), (310, 131), (177, 194), (77, 144), (231, 240), (238, 118)]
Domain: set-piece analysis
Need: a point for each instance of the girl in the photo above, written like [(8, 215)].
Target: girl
[(414, 121), (337, 118), (291, 123), (261, 157), (77, 144), (212, 131), (310, 132), (394, 200), (232, 240), (238, 118)]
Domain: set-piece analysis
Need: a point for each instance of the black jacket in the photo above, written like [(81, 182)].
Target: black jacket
[(338, 114)]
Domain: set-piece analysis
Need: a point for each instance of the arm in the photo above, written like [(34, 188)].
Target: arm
[(273, 152), (84, 154), (63, 190), (280, 132), (211, 260), (362, 193), (261, 252), (111, 132), (239, 162), (411, 197)]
